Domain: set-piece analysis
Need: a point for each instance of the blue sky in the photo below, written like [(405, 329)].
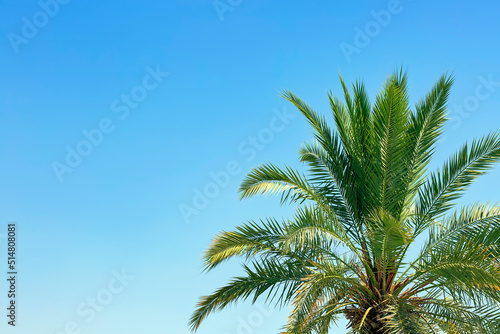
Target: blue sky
[(174, 95)]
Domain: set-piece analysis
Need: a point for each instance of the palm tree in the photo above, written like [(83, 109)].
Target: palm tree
[(364, 201)]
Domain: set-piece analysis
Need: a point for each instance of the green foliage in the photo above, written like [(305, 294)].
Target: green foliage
[(364, 200)]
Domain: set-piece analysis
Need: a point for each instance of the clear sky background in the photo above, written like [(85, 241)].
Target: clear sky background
[(130, 201)]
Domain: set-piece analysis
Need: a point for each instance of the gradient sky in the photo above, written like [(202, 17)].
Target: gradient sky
[(162, 138)]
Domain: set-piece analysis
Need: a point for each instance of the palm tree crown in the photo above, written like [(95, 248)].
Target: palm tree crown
[(364, 200)]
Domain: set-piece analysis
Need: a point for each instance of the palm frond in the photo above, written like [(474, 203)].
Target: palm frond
[(267, 276), (443, 187)]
